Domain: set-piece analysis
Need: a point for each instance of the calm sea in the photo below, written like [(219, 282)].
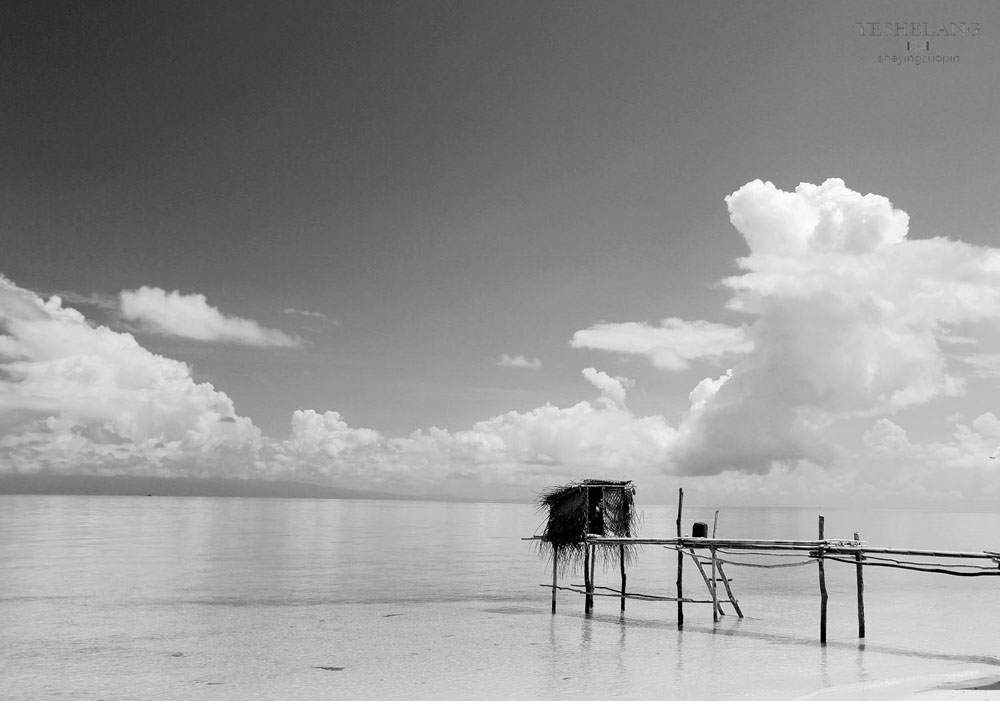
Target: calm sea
[(203, 598)]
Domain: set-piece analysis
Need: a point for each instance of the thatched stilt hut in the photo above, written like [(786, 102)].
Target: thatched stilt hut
[(588, 507)]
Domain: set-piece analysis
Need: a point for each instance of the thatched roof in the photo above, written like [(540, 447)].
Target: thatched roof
[(556, 494)]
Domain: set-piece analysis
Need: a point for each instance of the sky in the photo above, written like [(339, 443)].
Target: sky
[(473, 250)]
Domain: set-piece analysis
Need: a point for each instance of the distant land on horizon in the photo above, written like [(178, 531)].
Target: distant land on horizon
[(129, 485), (119, 485)]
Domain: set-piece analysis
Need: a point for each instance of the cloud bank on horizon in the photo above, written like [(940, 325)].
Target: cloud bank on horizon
[(846, 319)]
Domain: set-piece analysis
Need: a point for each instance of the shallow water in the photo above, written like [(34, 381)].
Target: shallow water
[(151, 598)]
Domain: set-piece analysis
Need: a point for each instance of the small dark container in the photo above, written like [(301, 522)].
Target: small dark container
[(699, 530)]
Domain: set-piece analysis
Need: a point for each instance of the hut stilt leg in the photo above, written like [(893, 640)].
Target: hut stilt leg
[(588, 586), (861, 591), (593, 563), (621, 561), (822, 584), (555, 575), (680, 562)]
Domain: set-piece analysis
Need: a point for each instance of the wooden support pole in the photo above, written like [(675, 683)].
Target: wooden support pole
[(593, 564), (822, 584), (716, 607), (642, 597), (729, 591), (555, 575), (588, 599), (621, 560), (722, 574), (680, 562), (861, 590)]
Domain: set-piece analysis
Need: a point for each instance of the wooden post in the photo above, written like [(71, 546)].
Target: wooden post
[(621, 560), (593, 563), (722, 574), (861, 590), (716, 608), (822, 584), (588, 584), (680, 562), (729, 591), (555, 575)]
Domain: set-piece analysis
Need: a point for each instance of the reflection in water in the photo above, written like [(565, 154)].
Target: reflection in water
[(859, 660), (622, 627), (678, 641), (588, 634), (824, 666)]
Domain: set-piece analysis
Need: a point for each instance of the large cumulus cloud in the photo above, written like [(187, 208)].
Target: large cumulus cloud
[(847, 318), (850, 316), (78, 397)]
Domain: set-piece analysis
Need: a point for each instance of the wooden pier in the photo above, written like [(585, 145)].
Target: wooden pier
[(822, 550)]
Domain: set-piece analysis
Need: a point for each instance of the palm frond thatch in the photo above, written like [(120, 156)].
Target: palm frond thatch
[(595, 507)]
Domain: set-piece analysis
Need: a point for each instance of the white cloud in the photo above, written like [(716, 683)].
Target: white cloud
[(814, 220), (850, 317), (613, 389), (887, 469), (704, 391), (957, 469), (518, 361), (75, 398), (512, 451), (328, 433), (850, 313), (78, 397), (671, 345), (983, 364), (311, 315), (987, 425), (191, 316), (546, 445)]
